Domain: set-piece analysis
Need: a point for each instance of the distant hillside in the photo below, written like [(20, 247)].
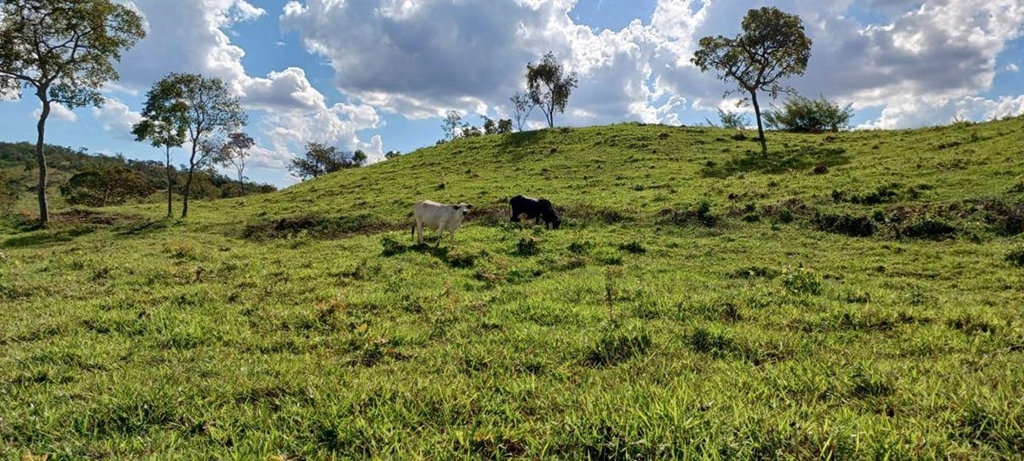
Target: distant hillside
[(18, 163)]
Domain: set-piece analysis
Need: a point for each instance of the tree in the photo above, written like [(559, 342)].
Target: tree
[(358, 158), (548, 88), (164, 122), (234, 152), (772, 46), (451, 125), (729, 119), (109, 186), (469, 131), (392, 154), (504, 126), (801, 114), (321, 159), (210, 113), (522, 105), (490, 126), (63, 51)]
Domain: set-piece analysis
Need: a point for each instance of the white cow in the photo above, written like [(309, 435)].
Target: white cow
[(438, 216)]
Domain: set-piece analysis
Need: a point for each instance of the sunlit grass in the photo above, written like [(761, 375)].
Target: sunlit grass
[(695, 303)]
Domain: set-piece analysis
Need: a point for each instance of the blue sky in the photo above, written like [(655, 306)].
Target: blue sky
[(378, 75)]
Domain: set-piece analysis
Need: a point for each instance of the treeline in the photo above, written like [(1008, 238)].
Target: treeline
[(102, 180)]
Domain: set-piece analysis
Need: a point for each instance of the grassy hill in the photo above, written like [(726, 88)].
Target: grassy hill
[(849, 295), (19, 176)]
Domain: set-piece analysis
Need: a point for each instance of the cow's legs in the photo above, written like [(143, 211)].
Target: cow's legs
[(440, 234), (419, 232)]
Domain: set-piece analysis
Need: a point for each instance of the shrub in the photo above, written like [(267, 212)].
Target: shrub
[(707, 342), (883, 194), (804, 115), (579, 248), (730, 119), (802, 281), (633, 247), (111, 186), (527, 246), (853, 226), (1016, 257), (927, 228), (1005, 218)]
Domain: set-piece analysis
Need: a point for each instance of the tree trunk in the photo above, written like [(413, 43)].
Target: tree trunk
[(188, 188), (550, 113), (44, 209), (167, 169), (760, 129), (188, 181), (241, 181)]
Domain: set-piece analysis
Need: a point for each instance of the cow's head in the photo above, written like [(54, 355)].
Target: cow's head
[(463, 207), (550, 217)]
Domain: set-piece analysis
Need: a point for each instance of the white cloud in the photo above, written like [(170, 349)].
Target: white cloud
[(117, 118), (1012, 67), (57, 112), (420, 59), (192, 36)]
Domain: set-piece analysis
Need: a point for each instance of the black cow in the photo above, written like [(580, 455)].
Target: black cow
[(534, 208)]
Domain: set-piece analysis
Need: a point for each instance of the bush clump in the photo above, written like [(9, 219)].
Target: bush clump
[(1016, 257), (802, 281), (633, 247), (527, 246), (853, 226), (927, 228), (699, 213), (805, 115)]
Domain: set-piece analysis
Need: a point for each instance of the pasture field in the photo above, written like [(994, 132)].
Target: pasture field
[(852, 295)]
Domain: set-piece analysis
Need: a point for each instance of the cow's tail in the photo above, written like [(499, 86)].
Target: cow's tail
[(414, 229)]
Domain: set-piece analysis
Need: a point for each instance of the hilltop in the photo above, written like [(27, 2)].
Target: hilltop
[(849, 295)]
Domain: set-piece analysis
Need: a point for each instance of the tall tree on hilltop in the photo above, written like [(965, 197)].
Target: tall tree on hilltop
[(321, 159), (522, 105), (210, 113), (234, 153), (164, 122), (772, 46), (548, 88), (63, 51)]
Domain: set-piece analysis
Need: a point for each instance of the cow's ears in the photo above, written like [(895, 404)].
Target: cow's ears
[(455, 207), (469, 207)]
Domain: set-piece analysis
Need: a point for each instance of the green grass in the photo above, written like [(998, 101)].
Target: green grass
[(699, 301)]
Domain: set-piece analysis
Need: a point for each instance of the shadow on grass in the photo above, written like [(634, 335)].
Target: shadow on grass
[(455, 259), (144, 227), (775, 163), (47, 237)]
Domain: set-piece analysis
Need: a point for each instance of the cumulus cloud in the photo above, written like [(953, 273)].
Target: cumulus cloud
[(57, 112), (194, 36), (420, 59), (117, 118)]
